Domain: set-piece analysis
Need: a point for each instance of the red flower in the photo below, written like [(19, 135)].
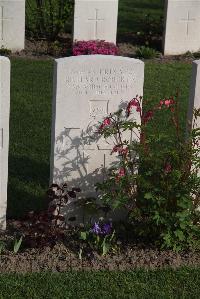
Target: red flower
[(168, 168), (133, 103), (147, 116), (121, 172), (106, 122), (119, 149)]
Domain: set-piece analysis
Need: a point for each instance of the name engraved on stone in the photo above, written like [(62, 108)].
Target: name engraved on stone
[(101, 82)]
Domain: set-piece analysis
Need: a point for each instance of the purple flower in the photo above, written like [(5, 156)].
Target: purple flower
[(107, 228), (102, 229), (96, 229)]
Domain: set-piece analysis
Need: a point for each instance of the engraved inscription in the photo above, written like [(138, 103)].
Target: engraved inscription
[(188, 22), (98, 108), (2, 20), (105, 81)]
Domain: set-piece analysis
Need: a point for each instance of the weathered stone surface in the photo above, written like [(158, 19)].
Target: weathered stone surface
[(12, 24), (87, 89), (182, 27), (4, 135), (95, 19)]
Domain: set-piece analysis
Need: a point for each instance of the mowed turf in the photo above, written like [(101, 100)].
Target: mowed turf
[(30, 124), (161, 284)]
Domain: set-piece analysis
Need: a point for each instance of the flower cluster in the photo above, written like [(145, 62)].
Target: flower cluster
[(105, 123), (135, 102), (93, 47), (102, 228), (120, 150), (169, 103)]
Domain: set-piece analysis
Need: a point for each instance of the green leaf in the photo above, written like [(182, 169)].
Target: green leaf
[(148, 195), (83, 236), (180, 235), (17, 244)]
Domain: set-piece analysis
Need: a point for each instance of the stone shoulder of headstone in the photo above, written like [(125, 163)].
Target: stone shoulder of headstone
[(4, 135)]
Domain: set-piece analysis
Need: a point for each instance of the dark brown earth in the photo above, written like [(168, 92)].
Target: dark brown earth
[(65, 256), (42, 49)]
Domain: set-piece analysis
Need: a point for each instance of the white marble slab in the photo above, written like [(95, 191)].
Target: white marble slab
[(182, 27), (12, 24), (95, 20)]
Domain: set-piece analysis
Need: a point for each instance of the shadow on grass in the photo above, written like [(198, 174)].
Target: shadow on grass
[(27, 186)]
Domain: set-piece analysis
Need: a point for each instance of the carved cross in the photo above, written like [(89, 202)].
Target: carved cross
[(2, 19), (188, 21), (96, 21)]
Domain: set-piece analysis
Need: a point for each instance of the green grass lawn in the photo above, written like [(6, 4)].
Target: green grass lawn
[(30, 124), (132, 14), (184, 284)]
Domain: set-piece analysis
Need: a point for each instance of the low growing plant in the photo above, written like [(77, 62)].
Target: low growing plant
[(4, 51), (164, 193), (100, 237), (147, 53)]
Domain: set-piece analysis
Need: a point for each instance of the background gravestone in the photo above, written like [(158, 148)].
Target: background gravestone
[(87, 89), (12, 24), (4, 135), (182, 27), (95, 20)]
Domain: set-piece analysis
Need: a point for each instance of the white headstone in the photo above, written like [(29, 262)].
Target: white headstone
[(4, 135), (95, 20), (12, 24), (194, 100), (182, 27), (87, 89)]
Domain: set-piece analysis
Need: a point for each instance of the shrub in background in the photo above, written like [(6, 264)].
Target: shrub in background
[(94, 47), (47, 18), (164, 195)]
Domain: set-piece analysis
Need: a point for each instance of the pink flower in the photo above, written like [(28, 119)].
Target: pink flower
[(147, 116), (119, 149), (168, 168), (133, 103), (121, 172), (107, 122)]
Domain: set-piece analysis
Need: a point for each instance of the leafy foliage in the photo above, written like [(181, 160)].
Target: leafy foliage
[(146, 52), (165, 191), (47, 18), (100, 237)]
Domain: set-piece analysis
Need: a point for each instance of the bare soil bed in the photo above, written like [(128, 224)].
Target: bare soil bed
[(63, 255), (42, 49)]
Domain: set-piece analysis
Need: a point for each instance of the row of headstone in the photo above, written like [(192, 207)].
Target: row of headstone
[(97, 20), (86, 89)]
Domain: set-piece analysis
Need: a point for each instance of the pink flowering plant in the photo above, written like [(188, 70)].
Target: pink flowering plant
[(93, 47), (156, 177)]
